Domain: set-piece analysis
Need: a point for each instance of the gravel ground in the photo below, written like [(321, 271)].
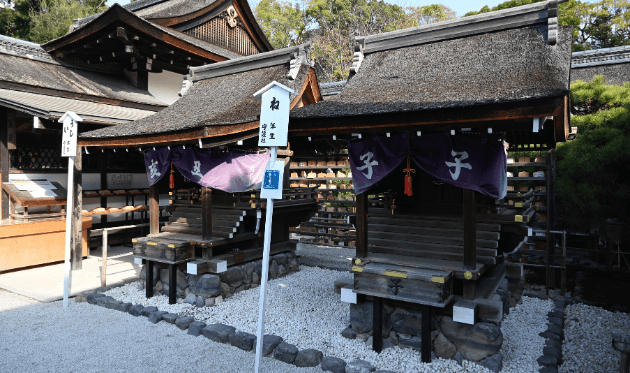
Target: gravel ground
[(587, 343), (86, 338), (304, 310), (9, 301), (339, 259)]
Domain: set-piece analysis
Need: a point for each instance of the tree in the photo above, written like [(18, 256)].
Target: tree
[(601, 24), (424, 15), (15, 19), (57, 16), (283, 22)]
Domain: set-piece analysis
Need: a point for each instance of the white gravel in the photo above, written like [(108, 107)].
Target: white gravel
[(522, 345), (86, 338), (587, 343), (304, 310)]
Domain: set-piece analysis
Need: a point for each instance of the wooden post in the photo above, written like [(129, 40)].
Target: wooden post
[(104, 265), (4, 162), (206, 214), (148, 280), (154, 209), (362, 225), (76, 241), (470, 242), (172, 284), (426, 334), (102, 160), (551, 212), (143, 76), (377, 324), (563, 270)]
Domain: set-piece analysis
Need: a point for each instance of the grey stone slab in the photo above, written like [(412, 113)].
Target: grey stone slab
[(196, 327), (308, 358), (550, 335), (170, 317), (156, 316), (333, 364), (548, 361), (147, 310), (285, 352), (218, 332), (552, 351), (349, 333), (359, 366), (242, 340), (493, 363), (270, 342), (123, 307), (136, 310), (548, 370), (91, 298), (182, 322)]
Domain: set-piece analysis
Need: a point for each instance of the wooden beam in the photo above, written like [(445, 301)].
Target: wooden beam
[(206, 214), (76, 243), (470, 241), (154, 210), (362, 225), (143, 79), (4, 162)]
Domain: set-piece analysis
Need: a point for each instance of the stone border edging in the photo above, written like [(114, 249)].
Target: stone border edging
[(273, 346)]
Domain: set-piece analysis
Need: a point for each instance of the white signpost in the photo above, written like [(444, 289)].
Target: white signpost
[(273, 132), (69, 149)]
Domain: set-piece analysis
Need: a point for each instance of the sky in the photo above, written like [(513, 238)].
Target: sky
[(461, 7)]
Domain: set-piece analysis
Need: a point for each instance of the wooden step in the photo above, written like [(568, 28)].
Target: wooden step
[(427, 246), (431, 231), (197, 215), (441, 255), (426, 222), (194, 231), (223, 222), (215, 227), (457, 240)]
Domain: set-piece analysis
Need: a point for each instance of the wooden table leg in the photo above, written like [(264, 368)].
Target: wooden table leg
[(377, 325), (172, 284), (149, 279), (426, 334)]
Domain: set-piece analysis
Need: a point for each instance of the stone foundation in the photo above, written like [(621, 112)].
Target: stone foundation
[(209, 289)]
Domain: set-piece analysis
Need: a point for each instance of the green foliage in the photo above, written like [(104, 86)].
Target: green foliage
[(57, 16), (593, 171), (16, 22), (283, 23), (601, 24), (424, 15)]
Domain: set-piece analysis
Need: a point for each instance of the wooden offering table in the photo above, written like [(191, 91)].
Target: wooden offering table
[(34, 238)]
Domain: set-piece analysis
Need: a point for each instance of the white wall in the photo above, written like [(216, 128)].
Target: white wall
[(165, 86)]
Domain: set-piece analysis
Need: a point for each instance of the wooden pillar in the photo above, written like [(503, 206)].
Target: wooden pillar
[(172, 284), (551, 213), (149, 279), (76, 242), (4, 162), (154, 210), (206, 214), (470, 242), (362, 225), (143, 77), (377, 324), (102, 163)]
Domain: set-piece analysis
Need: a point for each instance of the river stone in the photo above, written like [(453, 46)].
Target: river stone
[(270, 342), (92, 298), (273, 269), (190, 299), (181, 282), (308, 358), (285, 352), (281, 259), (458, 357), (554, 344), (136, 310), (147, 310), (182, 322), (552, 351), (207, 286), (548, 370), (359, 366), (234, 276), (248, 270), (200, 302), (443, 347), (210, 302), (156, 273), (192, 280), (361, 316), (294, 265), (413, 342), (349, 333), (393, 337), (159, 287), (80, 298), (156, 316), (549, 335), (548, 361), (281, 271), (493, 363), (242, 340), (386, 343), (554, 329), (218, 332), (475, 342), (407, 321), (123, 307), (170, 317), (196, 327), (255, 278), (333, 364), (225, 289)]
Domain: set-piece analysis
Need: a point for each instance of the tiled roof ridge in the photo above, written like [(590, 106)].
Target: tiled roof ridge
[(23, 48), (602, 56)]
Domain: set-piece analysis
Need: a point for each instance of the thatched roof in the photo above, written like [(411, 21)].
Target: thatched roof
[(612, 63)]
